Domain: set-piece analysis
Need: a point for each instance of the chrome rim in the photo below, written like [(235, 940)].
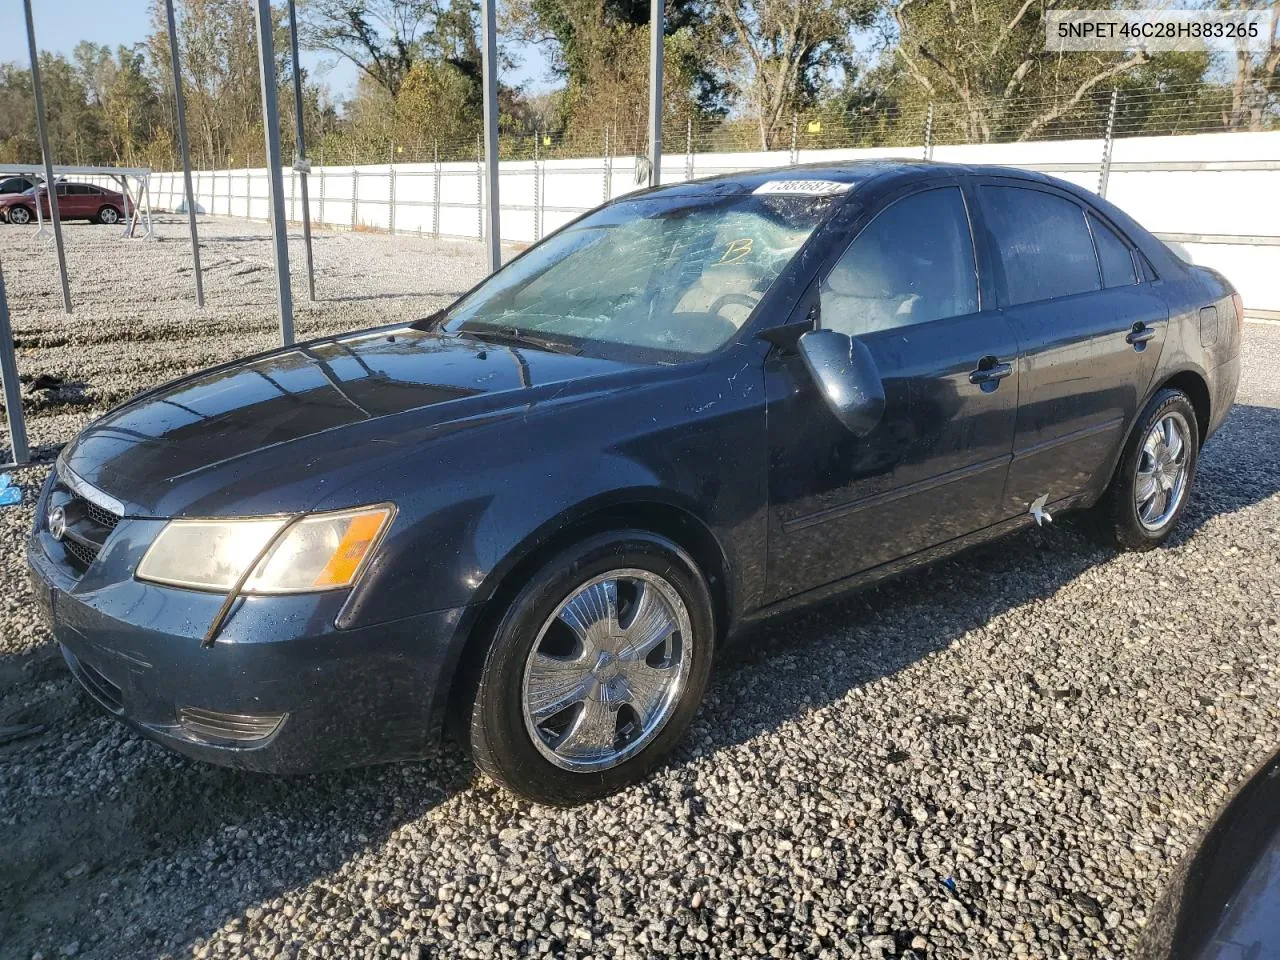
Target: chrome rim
[(18, 215), (607, 670), (109, 215), (1161, 481)]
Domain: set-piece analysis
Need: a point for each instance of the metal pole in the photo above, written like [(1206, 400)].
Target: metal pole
[(435, 198), (688, 149), (40, 214), (275, 180), (656, 10), (146, 195), (391, 189), (608, 167), (537, 186), (9, 380), (795, 134), (128, 218), (489, 31), (928, 132), (51, 188), (301, 165), (1105, 173)]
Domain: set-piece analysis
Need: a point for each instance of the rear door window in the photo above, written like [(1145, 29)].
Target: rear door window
[(912, 264), (1042, 243), (1113, 255)]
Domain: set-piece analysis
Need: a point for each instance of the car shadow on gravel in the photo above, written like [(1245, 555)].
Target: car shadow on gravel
[(804, 660), (106, 835)]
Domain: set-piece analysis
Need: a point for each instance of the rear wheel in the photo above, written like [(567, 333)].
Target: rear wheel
[(108, 215), (19, 215), (1153, 480), (595, 670)]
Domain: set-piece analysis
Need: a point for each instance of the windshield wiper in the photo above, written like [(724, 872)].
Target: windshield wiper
[(521, 338)]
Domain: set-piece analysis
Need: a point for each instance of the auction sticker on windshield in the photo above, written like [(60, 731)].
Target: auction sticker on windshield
[(803, 188)]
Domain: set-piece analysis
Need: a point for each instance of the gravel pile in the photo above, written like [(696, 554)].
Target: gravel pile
[(1002, 755)]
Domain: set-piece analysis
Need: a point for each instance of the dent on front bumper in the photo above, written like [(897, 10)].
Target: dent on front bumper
[(312, 696)]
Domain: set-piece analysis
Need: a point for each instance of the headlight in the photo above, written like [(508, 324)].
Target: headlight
[(325, 551)]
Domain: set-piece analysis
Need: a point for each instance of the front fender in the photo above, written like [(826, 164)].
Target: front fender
[(473, 507)]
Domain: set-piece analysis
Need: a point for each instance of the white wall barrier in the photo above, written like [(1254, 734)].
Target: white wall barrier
[(1216, 194)]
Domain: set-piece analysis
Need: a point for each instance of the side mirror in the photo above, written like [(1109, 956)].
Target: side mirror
[(847, 377)]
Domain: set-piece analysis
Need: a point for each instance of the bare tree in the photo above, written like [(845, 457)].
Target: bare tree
[(384, 38), (787, 49), (1255, 82)]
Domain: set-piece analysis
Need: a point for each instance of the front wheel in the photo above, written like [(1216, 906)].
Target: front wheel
[(595, 670), (108, 216), (1153, 479), (20, 215)]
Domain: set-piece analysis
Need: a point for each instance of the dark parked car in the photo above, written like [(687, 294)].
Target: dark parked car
[(15, 185), (76, 201), (535, 515)]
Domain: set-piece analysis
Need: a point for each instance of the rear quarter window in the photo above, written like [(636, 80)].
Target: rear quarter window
[(1114, 256)]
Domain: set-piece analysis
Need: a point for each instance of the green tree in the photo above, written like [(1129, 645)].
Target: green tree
[(218, 50), (387, 38), (988, 59), (1255, 77)]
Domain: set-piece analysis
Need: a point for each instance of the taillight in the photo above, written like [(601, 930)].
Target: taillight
[(1239, 305)]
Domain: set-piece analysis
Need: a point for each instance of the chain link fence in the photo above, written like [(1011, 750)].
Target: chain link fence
[(1167, 110)]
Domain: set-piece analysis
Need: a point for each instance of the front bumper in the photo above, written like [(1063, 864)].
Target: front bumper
[(339, 697)]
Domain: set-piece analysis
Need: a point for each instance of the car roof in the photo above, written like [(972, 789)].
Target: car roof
[(857, 172)]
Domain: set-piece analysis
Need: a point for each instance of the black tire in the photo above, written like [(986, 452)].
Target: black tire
[(501, 743), (108, 215), (20, 215), (1117, 512)]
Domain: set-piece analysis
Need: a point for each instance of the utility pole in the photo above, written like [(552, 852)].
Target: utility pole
[(9, 381), (656, 11), (300, 164), (489, 49), (42, 128), (180, 108), (275, 180)]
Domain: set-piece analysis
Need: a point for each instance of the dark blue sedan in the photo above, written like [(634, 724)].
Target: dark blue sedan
[(533, 516)]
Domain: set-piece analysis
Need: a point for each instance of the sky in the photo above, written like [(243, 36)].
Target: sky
[(61, 24)]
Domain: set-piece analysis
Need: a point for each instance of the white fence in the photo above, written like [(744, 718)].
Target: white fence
[(1218, 195)]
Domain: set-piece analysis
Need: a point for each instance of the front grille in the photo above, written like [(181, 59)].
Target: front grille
[(100, 515), (88, 523)]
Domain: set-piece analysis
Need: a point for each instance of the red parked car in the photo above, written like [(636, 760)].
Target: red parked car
[(76, 201)]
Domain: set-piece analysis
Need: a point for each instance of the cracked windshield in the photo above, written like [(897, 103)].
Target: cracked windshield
[(674, 274)]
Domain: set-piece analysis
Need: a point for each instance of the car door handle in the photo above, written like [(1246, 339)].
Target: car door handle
[(990, 370), (1140, 333)]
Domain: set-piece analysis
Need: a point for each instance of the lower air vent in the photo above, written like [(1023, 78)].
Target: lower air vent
[(239, 728), (99, 687)]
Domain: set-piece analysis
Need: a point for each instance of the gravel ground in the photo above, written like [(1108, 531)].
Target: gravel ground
[(1001, 755)]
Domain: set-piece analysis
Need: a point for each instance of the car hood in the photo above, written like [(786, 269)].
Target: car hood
[(274, 433)]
